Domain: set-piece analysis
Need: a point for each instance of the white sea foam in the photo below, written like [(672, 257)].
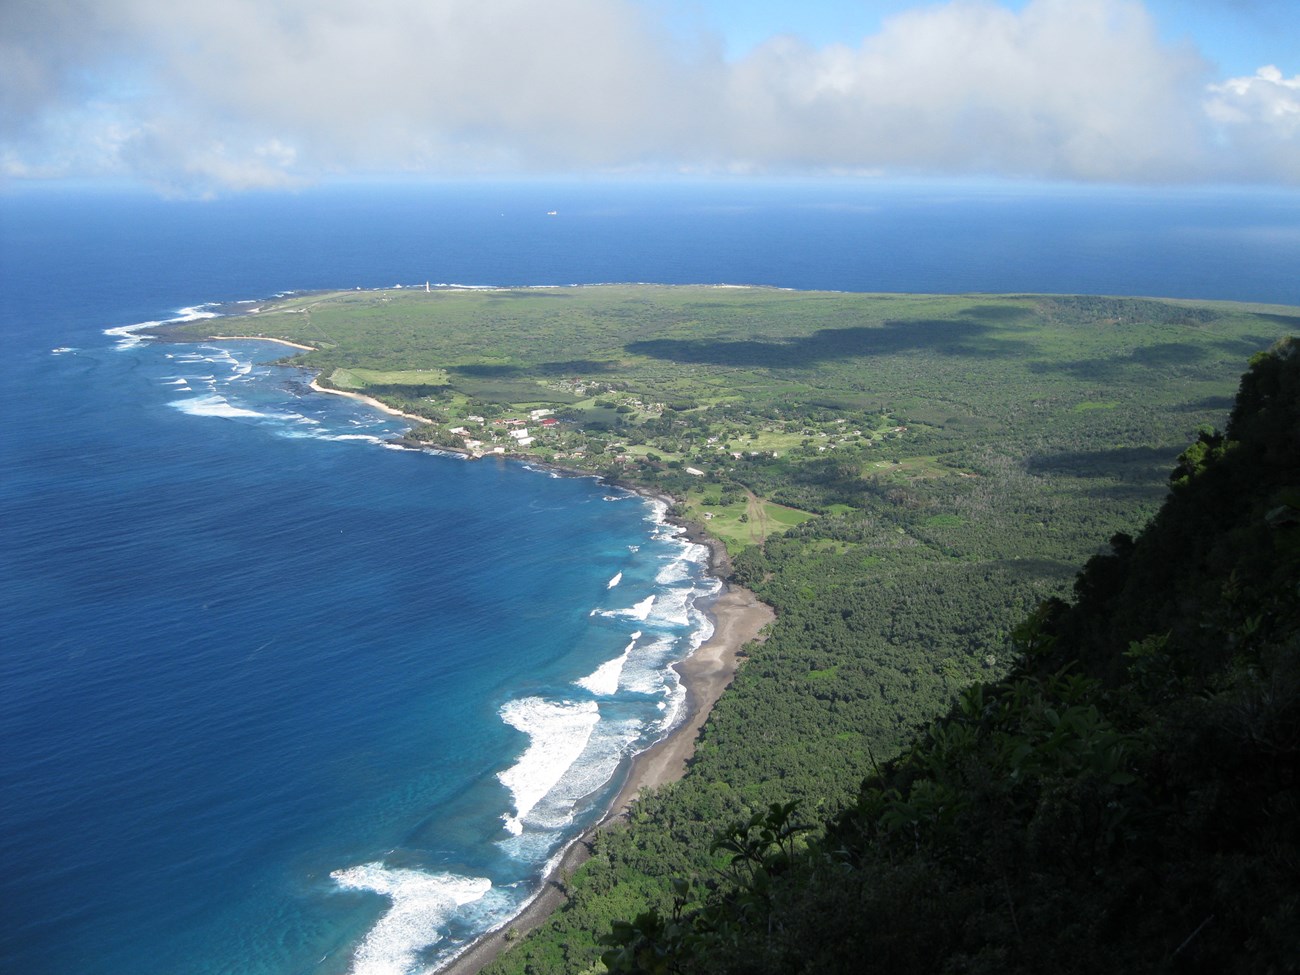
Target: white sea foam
[(193, 314), (603, 682), (176, 382), (558, 733), (646, 671), (638, 612), (618, 577), (658, 511), (126, 334), (312, 432), (678, 570), (213, 404), (642, 609), (421, 905), (673, 703), (611, 741), (673, 607), (703, 631)]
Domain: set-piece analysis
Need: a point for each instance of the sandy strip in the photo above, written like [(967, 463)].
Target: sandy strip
[(738, 618), (369, 401), (264, 338), (361, 397)]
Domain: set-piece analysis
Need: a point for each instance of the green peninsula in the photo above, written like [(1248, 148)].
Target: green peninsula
[(761, 408), (906, 480)]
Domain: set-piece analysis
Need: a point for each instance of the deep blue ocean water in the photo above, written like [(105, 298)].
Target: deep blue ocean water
[(277, 698)]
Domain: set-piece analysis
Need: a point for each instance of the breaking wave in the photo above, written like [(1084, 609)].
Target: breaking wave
[(558, 734), (422, 903)]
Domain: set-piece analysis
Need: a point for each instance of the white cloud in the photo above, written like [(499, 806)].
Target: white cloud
[(1258, 121), (1267, 100), (1072, 89), (243, 93)]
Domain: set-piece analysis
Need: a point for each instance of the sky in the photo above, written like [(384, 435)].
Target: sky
[(226, 96)]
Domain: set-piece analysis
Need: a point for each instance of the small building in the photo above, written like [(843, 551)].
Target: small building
[(695, 471)]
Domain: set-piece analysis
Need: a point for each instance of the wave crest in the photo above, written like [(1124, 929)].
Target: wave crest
[(558, 733), (421, 906)]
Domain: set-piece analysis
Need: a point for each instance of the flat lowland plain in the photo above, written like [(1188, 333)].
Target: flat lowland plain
[(716, 394), (903, 478)]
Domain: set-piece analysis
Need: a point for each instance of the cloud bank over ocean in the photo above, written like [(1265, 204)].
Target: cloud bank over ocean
[(239, 94)]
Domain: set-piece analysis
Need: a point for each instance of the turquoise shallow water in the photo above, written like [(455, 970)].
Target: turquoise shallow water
[(278, 698)]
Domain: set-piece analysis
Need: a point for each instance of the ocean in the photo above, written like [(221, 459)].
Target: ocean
[(277, 697)]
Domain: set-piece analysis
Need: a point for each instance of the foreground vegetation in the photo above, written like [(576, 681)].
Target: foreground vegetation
[(1127, 799), (904, 478)]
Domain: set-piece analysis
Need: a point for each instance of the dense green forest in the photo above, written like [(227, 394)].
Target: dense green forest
[(1126, 799), (905, 479)]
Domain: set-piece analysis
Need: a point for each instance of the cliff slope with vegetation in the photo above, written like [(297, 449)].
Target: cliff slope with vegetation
[(1126, 799)]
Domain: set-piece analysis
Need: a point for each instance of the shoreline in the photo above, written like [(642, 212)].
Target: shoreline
[(315, 383), (260, 338), (315, 386), (738, 619)]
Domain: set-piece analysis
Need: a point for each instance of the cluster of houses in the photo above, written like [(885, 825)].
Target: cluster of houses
[(516, 430)]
